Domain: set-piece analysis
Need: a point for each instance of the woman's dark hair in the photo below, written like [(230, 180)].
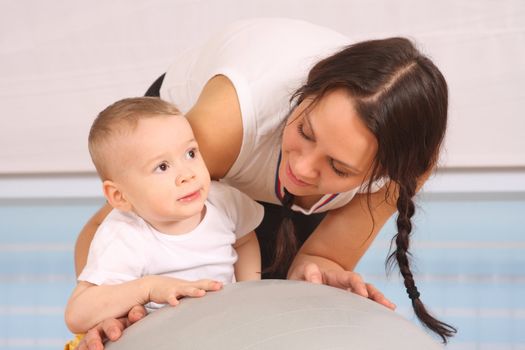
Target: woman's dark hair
[(402, 97)]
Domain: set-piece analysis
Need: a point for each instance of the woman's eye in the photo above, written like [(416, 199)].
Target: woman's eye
[(339, 172), (162, 167), (191, 154), (300, 130)]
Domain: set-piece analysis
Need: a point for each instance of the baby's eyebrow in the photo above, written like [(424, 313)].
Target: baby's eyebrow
[(155, 159), (190, 141)]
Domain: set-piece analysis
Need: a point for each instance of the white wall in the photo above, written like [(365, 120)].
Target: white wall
[(62, 61)]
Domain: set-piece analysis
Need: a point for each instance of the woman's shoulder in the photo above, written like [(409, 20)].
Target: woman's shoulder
[(249, 50), (257, 47), (279, 28)]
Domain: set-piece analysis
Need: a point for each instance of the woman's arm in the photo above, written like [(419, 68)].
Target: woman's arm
[(346, 233), (248, 265), (86, 236), (217, 107), (333, 250)]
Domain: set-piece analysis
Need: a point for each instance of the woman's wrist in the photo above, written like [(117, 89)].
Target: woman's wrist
[(302, 261)]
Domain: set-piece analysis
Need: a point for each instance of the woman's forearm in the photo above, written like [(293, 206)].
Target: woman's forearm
[(345, 233), (86, 236), (296, 270)]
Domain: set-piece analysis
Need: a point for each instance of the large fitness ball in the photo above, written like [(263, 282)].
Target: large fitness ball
[(275, 314)]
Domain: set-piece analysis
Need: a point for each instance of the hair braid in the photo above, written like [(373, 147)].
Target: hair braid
[(286, 240), (406, 209)]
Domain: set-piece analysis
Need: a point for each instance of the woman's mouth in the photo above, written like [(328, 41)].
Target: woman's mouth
[(293, 178)]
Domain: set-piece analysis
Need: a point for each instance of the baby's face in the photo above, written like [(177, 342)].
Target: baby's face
[(165, 178)]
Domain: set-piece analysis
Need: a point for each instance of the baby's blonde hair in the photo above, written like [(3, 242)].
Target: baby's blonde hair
[(119, 118)]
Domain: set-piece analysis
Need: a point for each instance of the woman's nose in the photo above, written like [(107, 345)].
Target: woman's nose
[(306, 166)]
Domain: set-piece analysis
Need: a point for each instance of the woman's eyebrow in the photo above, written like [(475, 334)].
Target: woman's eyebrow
[(309, 123)]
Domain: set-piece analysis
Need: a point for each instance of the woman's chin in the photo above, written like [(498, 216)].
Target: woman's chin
[(300, 191)]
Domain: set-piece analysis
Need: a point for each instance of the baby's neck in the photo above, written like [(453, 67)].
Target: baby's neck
[(180, 227)]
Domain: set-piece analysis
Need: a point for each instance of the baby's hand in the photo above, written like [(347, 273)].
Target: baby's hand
[(168, 290)]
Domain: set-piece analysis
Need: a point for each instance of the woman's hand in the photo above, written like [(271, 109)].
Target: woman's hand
[(351, 281), (110, 329)]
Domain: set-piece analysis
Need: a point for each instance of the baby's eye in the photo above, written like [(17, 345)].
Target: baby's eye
[(162, 167), (191, 153)]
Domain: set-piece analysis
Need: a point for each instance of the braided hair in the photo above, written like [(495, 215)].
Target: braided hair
[(402, 98), (286, 245)]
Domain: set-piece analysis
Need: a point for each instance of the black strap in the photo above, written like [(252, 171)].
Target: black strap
[(154, 89)]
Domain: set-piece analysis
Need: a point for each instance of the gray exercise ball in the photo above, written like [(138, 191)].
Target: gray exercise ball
[(275, 314)]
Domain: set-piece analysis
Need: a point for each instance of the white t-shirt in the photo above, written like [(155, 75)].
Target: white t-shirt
[(266, 60), (125, 247)]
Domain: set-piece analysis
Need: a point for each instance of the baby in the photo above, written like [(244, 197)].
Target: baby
[(172, 232)]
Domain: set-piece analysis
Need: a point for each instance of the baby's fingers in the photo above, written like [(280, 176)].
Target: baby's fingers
[(190, 291), (186, 291), (208, 285)]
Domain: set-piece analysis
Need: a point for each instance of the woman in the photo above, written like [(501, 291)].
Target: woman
[(323, 134)]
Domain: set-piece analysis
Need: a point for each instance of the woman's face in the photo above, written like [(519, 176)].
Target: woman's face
[(326, 148)]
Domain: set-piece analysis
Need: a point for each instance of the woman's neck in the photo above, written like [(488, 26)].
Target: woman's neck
[(306, 202)]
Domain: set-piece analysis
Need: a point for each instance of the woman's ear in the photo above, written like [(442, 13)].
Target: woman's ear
[(115, 196)]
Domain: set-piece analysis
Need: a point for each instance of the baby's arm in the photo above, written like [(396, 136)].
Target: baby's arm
[(90, 304), (248, 265)]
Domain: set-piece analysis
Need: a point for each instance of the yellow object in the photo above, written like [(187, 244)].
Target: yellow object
[(72, 344)]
